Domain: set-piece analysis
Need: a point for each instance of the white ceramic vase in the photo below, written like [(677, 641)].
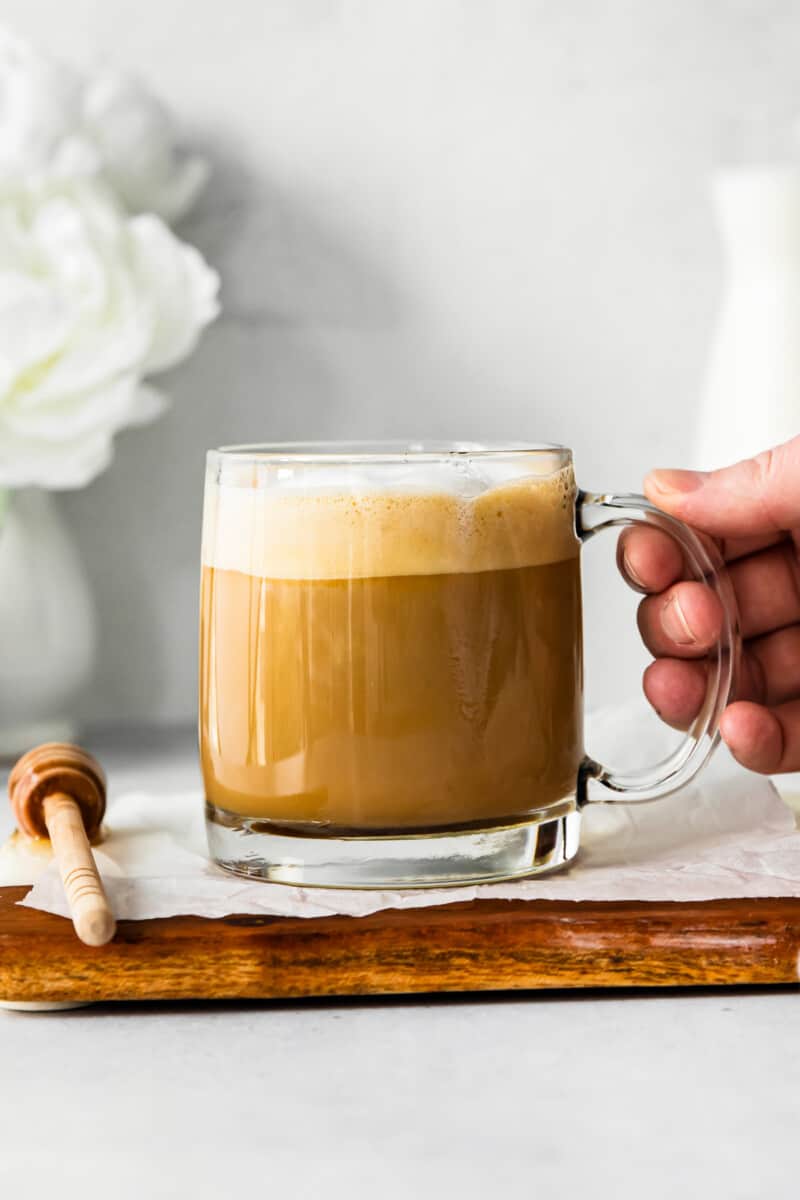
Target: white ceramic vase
[(752, 394), (47, 623)]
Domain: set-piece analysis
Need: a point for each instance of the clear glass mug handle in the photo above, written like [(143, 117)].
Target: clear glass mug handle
[(596, 512)]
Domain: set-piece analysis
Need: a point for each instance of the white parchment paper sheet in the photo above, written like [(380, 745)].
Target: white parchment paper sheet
[(728, 835)]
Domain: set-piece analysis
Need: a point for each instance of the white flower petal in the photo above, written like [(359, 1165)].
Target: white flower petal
[(40, 103), (133, 134), (30, 462), (91, 302), (35, 321), (16, 252), (69, 251), (55, 121), (108, 408), (84, 249), (100, 352), (75, 156), (181, 287), (149, 404), (178, 192)]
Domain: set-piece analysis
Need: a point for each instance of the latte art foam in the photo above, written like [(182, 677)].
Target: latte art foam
[(330, 533)]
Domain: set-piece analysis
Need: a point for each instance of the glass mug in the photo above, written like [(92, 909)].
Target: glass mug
[(391, 662)]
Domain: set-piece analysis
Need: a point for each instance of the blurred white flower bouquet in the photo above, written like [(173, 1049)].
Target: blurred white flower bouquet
[(96, 293), (96, 296)]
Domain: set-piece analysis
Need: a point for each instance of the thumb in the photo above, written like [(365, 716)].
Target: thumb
[(757, 496)]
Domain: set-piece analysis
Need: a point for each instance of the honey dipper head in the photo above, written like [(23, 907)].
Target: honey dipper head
[(56, 768)]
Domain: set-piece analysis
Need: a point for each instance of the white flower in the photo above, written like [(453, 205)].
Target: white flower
[(56, 122), (132, 133), (92, 301)]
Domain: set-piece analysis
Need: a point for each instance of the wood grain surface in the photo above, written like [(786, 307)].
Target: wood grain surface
[(479, 946)]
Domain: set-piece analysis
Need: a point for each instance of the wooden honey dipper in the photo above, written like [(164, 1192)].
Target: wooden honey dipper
[(59, 791)]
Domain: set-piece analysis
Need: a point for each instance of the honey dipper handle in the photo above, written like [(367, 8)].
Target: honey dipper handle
[(91, 914)]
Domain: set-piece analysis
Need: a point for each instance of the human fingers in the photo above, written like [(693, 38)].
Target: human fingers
[(676, 689), (764, 739), (769, 673), (770, 669), (767, 587), (649, 559), (752, 498), (733, 548), (683, 622)]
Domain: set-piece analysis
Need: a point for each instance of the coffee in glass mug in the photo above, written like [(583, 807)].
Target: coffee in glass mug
[(391, 662)]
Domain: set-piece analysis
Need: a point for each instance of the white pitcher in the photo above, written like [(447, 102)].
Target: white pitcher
[(752, 392), (47, 625)]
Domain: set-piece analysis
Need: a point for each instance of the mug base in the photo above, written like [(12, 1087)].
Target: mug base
[(542, 843)]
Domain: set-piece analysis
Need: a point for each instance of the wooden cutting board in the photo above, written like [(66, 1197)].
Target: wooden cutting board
[(484, 945)]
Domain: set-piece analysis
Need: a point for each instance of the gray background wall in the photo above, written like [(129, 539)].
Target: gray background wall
[(432, 218)]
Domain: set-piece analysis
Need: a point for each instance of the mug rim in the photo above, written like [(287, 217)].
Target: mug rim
[(393, 450)]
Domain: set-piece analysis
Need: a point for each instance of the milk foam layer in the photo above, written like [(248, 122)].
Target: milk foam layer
[(330, 533)]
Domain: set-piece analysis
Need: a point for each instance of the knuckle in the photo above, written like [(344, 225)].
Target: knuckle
[(767, 470), (764, 466)]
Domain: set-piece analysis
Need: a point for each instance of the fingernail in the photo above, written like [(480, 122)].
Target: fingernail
[(669, 482), (630, 574), (674, 623)]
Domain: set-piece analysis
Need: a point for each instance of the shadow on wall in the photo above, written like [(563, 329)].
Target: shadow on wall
[(293, 287), (285, 259)]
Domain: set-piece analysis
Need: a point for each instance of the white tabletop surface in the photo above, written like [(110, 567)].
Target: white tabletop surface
[(644, 1095)]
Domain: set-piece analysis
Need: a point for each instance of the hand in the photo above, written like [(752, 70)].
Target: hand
[(752, 510)]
